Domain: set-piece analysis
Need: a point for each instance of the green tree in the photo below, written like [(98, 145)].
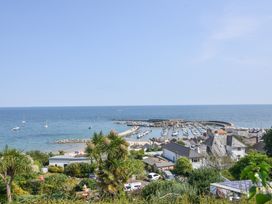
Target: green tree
[(79, 170), (251, 158), (167, 191), (137, 154), (202, 178), (259, 174), (267, 138), (12, 163), (112, 160), (183, 166), (39, 156)]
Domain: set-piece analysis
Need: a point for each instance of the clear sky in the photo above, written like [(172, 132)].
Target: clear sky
[(143, 52)]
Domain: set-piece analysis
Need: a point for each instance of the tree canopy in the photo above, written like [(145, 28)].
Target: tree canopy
[(114, 167), (12, 163), (202, 178), (267, 138), (183, 166), (251, 158)]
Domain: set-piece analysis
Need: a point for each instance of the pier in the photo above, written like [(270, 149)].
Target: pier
[(129, 132)]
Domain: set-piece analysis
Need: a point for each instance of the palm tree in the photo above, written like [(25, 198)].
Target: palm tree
[(12, 163), (111, 156)]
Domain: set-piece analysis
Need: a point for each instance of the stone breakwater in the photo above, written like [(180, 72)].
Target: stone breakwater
[(129, 132), (126, 133)]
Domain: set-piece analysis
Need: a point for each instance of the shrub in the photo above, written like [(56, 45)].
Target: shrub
[(79, 170), (55, 169), (183, 166), (201, 179), (253, 157), (39, 156), (169, 190), (90, 183)]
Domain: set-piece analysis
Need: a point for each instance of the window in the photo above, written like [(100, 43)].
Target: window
[(195, 160), (239, 148)]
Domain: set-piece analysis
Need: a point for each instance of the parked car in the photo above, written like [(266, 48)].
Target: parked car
[(153, 176), (167, 175), (132, 186)]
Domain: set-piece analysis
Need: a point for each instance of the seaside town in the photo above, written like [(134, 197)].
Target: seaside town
[(189, 159), (135, 102)]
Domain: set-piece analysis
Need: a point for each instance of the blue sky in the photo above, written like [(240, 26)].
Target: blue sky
[(155, 52)]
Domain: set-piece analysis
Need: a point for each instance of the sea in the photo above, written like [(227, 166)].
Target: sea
[(82, 122)]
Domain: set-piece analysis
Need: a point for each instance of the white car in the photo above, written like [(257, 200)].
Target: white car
[(153, 176), (132, 186)]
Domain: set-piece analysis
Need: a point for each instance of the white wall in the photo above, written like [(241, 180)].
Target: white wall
[(173, 157), (169, 155), (65, 162)]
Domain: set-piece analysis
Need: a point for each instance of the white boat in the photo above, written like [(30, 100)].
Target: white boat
[(143, 133), (46, 125), (175, 133), (15, 128), (23, 121)]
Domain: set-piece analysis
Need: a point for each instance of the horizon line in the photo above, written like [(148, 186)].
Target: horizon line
[(82, 106)]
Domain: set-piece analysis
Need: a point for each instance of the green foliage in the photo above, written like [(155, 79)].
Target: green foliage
[(258, 173), (267, 138), (154, 148), (90, 183), (181, 142), (201, 179), (137, 154), (58, 186), (39, 156), (168, 190), (55, 169), (12, 163), (114, 167), (251, 158), (79, 170), (183, 167)]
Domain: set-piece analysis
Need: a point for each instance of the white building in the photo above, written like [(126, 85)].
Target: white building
[(173, 151), (64, 160)]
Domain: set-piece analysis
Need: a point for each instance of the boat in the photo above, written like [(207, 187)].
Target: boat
[(15, 128), (23, 121), (164, 132), (46, 125), (146, 132), (175, 133)]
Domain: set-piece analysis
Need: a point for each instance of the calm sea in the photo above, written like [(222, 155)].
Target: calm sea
[(74, 122)]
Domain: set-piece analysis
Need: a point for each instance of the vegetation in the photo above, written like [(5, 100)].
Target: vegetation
[(39, 156), (79, 170), (183, 167), (201, 179), (137, 154), (259, 174), (55, 169), (114, 167), (252, 158), (90, 183), (267, 137), (12, 163), (169, 191)]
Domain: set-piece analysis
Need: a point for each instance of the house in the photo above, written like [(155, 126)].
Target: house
[(158, 163), (173, 151), (64, 160), (259, 147), (225, 145), (231, 189), (234, 190)]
